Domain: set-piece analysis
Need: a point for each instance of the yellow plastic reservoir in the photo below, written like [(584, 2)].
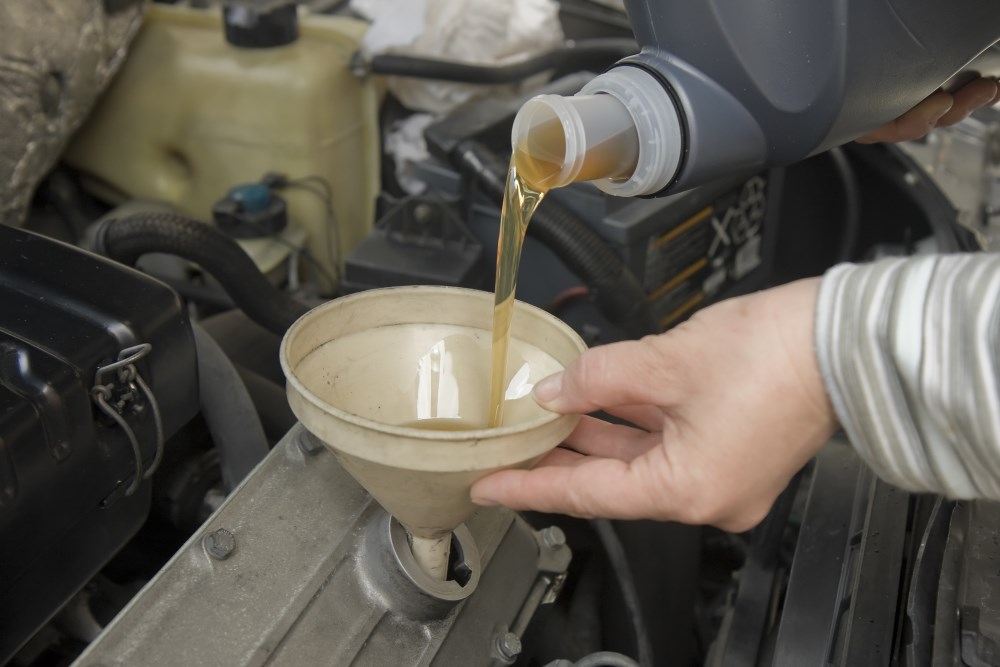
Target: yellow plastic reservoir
[(189, 116)]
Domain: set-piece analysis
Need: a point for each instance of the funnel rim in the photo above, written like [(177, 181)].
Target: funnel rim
[(481, 434)]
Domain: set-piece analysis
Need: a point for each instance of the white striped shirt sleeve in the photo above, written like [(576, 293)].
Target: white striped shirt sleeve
[(908, 350)]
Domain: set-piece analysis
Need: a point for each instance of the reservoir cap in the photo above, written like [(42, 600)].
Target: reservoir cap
[(250, 211), (251, 27), (253, 197)]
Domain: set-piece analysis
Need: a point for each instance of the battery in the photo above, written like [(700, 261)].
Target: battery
[(693, 248)]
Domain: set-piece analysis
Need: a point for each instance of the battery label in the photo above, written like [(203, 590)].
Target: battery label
[(693, 261)]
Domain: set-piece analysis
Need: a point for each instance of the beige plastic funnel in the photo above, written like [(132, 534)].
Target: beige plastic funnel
[(362, 369)]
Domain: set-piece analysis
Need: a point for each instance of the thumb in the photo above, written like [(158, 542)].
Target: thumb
[(629, 373)]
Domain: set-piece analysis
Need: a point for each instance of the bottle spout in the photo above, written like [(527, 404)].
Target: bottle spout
[(621, 132), (562, 140)]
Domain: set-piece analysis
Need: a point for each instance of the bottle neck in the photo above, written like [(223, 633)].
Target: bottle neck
[(621, 132)]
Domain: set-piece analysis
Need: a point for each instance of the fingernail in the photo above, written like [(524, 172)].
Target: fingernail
[(484, 502), (549, 388)]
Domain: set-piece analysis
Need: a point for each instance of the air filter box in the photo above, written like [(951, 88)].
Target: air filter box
[(67, 466)]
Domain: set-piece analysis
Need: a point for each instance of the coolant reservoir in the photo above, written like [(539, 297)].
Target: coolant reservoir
[(190, 115)]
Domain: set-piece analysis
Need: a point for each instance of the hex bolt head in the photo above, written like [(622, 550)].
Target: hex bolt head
[(553, 537), (508, 645), (219, 544)]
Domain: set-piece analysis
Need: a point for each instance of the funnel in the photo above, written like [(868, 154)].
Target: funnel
[(396, 383)]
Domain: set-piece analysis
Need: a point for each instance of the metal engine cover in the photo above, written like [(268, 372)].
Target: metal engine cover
[(301, 567)]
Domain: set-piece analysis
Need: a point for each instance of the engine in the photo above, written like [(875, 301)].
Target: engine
[(243, 164)]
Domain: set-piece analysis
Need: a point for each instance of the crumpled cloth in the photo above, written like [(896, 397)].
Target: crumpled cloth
[(470, 31)]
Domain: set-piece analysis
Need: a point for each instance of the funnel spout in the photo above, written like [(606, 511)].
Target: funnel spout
[(431, 553)]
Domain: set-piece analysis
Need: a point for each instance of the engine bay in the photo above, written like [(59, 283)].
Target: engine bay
[(161, 504)]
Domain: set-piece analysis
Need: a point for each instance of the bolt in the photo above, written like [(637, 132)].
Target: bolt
[(508, 646), (911, 179), (220, 544), (424, 213), (553, 537)]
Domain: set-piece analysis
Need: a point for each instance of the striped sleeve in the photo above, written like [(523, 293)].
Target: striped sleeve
[(908, 350)]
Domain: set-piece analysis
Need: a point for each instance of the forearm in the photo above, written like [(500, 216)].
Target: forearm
[(908, 349)]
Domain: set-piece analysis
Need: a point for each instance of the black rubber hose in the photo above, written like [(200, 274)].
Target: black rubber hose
[(588, 54), (127, 239), (852, 204), (615, 551), (229, 412), (617, 292)]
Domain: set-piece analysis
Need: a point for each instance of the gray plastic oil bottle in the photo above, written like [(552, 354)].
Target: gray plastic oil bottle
[(722, 86)]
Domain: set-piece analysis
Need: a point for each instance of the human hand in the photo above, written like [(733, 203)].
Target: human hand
[(729, 406), (939, 109)]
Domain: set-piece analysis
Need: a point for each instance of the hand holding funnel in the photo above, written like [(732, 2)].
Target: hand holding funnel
[(396, 383)]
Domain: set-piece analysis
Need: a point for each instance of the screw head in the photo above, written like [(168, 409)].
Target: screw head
[(553, 537), (509, 645), (219, 544)]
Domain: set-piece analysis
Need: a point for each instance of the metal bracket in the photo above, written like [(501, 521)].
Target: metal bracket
[(116, 389)]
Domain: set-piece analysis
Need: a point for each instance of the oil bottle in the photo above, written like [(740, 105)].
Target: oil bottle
[(721, 87)]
